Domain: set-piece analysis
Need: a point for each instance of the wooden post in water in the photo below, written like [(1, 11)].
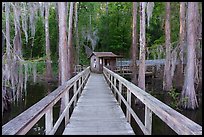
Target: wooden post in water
[(48, 120), (148, 120), (129, 102)]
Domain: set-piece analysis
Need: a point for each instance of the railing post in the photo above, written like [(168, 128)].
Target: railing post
[(79, 86), (75, 89), (48, 121), (114, 86), (148, 120), (82, 77), (129, 102), (111, 79), (66, 102), (120, 90)]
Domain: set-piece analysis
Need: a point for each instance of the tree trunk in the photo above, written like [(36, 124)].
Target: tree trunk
[(7, 11), (188, 98), (62, 47), (3, 41), (77, 33), (107, 27), (141, 77), (48, 58), (134, 44), (180, 72), (167, 80), (70, 47)]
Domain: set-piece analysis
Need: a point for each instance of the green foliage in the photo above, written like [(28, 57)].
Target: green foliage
[(155, 32), (175, 98), (83, 57), (175, 21), (54, 37), (39, 41), (114, 29), (38, 48), (41, 67), (55, 68)]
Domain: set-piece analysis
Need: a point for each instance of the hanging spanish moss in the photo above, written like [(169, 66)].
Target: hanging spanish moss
[(24, 19), (93, 38), (25, 76), (42, 8), (16, 70), (32, 18), (34, 72), (149, 10)]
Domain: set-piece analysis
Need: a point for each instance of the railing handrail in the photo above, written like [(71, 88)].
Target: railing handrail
[(25, 121), (178, 122)]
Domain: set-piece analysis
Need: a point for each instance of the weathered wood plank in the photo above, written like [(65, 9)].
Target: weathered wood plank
[(148, 120), (129, 103), (120, 91), (75, 89), (48, 121), (97, 111), (66, 101), (114, 86)]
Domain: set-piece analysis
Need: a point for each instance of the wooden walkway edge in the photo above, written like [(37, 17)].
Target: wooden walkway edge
[(97, 111)]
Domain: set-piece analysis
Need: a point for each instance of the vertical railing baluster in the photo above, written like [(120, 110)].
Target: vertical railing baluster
[(48, 121), (120, 90), (114, 86), (111, 81), (109, 77), (75, 89), (82, 80), (129, 102), (79, 86), (66, 102), (148, 120)]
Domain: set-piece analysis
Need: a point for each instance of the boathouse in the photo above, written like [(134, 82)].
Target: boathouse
[(100, 59)]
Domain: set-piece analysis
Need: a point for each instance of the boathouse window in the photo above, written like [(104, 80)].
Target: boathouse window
[(94, 63)]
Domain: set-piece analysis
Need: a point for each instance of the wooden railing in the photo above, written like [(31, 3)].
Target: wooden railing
[(150, 70), (176, 121), (78, 69), (21, 124)]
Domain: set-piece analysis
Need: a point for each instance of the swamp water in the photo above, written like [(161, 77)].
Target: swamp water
[(37, 91)]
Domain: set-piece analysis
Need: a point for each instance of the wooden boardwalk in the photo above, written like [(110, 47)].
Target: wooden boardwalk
[(97, 111)]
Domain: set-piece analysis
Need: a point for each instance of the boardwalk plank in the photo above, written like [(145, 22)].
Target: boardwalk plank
[(97, 112)]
